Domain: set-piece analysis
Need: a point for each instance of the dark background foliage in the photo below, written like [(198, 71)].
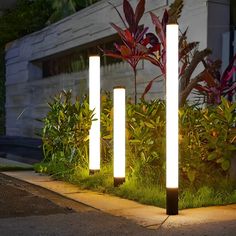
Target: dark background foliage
[(25, 17)]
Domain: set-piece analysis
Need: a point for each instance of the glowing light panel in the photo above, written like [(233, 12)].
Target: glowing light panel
[(172, 103), (119, 132), (94, 104)]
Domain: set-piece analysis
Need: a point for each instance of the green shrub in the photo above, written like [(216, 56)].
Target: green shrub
[(65, 133), (145, 134), (206, 143), (106, 128), (146, 141), (206, 140)]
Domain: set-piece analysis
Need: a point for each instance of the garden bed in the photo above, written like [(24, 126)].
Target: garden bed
[(206, 148)]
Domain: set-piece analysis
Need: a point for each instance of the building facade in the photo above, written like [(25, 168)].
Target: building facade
[(41, 64)]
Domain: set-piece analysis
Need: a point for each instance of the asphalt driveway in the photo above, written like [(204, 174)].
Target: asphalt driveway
[(28, 210)]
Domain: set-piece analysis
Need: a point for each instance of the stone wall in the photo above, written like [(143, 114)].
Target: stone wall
[(27, 92)]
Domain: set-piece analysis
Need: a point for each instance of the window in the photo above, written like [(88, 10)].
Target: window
[(75, 60)]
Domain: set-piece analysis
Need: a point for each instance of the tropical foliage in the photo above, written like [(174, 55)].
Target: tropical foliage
[(23, 19), (139, 44), (207, 138), (217, 85), (64, 8), (26, 17)]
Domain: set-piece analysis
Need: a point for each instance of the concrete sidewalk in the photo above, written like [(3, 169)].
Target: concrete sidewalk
[(147, 216)]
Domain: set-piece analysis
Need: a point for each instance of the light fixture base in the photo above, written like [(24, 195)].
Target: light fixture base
[(172, 201), (118, 181), (92, 172)]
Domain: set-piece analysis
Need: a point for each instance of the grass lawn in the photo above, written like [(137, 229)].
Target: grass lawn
[(144, 193)]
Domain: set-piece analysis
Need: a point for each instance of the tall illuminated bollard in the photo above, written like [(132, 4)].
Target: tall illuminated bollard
[(94, 104), (172, 103), (119, 135)]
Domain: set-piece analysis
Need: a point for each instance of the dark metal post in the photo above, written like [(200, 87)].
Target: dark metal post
[(172, 201)]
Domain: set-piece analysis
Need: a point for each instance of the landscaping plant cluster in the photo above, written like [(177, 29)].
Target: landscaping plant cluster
[(206, 133), (206, 139)]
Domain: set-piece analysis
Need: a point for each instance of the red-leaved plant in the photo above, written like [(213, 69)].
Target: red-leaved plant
[(138, 44), (216, 85)]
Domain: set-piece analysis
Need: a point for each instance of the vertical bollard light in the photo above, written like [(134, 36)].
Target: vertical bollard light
[(94, 104), (119, 135), (172, 103)]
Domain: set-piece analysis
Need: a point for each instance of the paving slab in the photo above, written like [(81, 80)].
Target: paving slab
[(202, 215), (141, 214), (149, 216)]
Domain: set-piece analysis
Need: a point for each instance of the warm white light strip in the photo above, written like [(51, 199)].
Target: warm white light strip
[(119, 132), (172, 101), (94, 104)]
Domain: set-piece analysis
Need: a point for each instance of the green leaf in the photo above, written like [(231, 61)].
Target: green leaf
[(233, 107), (62, 114), (220, 160), (154, 112), (225, 165), (135, 141), (108, 136), (191, 175), (149, 125), (225, 102), (143, 158), (228, 116), (155, 155), (138, 113), (211, 156), (231, 147), (77, 105)]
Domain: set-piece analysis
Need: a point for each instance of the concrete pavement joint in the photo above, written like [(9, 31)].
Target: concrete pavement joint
[(156, 226), (153, 226), (164, 221)]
